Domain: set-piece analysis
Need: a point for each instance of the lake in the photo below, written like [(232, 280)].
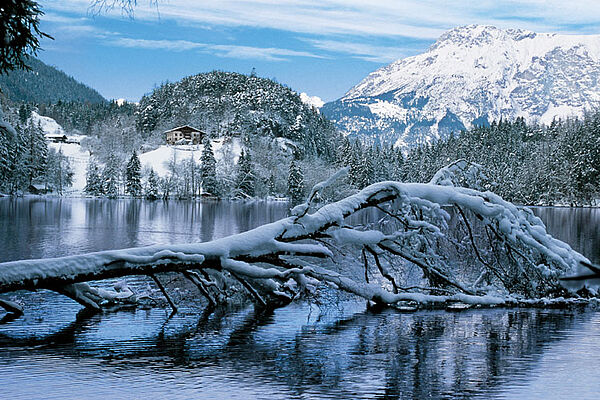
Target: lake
[(333, 350)]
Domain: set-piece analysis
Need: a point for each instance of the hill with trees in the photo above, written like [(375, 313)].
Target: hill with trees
[(255, 125), (227, 104), (45, 84)]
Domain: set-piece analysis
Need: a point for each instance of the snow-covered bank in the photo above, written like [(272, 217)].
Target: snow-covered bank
[(157, 159)]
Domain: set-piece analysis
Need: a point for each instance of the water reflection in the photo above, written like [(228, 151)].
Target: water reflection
[(580, 227), (240, 353), (35, 227), (279, 355), (49, 227)]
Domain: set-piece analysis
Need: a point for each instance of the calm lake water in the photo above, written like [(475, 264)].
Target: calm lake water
[(338, 350)]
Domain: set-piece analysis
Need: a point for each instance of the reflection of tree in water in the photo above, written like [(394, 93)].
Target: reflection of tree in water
[(132, 219), (249, 215), (207, 222), (18, 236), (388, 354), (576, 226)]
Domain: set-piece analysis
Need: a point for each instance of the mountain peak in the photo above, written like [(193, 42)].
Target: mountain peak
[(472, 75), (477, 35)]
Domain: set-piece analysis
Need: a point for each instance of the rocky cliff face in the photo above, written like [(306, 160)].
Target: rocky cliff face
[(473, 75)]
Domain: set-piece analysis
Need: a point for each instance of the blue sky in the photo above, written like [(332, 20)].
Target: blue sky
[(319, 47)]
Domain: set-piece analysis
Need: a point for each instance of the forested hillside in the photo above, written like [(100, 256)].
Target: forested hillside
[(257, 126), (226, 103), (526, 164), (265, 141), (45, 84), (83, 117)]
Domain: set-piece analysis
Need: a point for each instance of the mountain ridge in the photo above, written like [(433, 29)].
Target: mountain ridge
[(470, 76)]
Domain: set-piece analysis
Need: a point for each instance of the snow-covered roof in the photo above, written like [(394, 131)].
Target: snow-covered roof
[(184, 128)]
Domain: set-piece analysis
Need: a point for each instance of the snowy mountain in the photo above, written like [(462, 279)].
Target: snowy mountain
[(473, 75)]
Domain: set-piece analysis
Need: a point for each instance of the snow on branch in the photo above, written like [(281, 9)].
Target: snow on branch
[(461, 173), (425, 243)]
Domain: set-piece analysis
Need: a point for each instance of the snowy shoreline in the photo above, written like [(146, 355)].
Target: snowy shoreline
[(81, 195)]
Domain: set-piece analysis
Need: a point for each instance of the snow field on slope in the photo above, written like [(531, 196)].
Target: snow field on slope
[(160, 158)]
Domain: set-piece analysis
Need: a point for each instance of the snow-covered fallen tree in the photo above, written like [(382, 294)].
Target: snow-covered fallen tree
[(426, 244)]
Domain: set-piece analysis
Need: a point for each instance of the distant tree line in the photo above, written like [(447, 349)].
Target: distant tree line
[(524, 163)]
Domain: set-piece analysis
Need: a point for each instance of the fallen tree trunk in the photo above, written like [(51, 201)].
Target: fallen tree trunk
[(511, 256)]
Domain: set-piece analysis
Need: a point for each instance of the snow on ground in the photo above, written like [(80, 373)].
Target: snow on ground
[(313, 101), (49, 125), (385, 109), (157, 159), (563, 111), (160, 158), (77, 157), (79, 161)]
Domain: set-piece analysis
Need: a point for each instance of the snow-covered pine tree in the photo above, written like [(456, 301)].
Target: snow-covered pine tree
[(36, 151), (17, 163), (354, 161), (245, 178), (110, 177), (6, 139), (93, 180), (208, 171), (152, 192), (361, 166), (295, 183), (368, 170), (24, 113), (297, 131), (133, 180)]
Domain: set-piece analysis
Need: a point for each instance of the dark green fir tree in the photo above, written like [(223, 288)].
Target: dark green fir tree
[(208, 171), (295, 184), (152, 192), (93, 180), (133, 176), (246, 180)]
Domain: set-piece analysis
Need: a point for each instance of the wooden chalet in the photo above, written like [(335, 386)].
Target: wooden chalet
[(184, 135), (56, 138)]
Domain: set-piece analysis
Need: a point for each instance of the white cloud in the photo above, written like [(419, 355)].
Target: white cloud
[(425, 19), (363, 51), (172, 45), (352, 27), (231, 51)]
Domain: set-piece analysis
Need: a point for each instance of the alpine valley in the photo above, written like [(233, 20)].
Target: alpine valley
[(472, 75)]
